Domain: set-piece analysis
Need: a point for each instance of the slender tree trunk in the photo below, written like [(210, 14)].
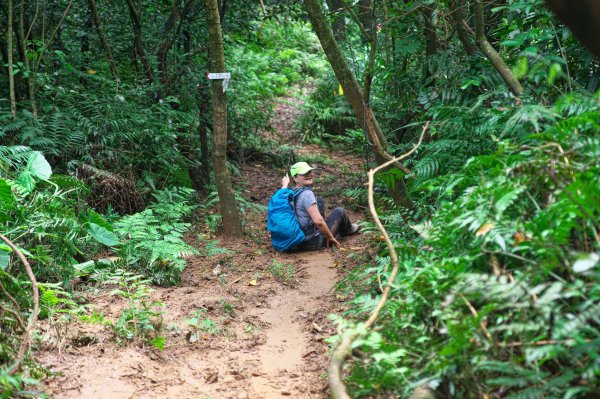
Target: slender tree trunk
[(168, 38), (491, 53), (9, 45), (232, 225), (388, 57), (365, 13), (84, 45), (200, 174), (339, 21), (457, 16), (137, 40), (431, 43), (36, 65), (354, 94), (222, 10), (104, 40), (24, 38), (3, 52)]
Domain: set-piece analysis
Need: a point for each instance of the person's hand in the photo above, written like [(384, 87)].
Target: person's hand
[(333, 241), (285, 181)]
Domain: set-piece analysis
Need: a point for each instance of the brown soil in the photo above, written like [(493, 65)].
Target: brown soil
[(271, 332)]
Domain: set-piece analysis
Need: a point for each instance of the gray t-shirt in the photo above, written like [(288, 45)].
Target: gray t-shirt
[(304, 201)]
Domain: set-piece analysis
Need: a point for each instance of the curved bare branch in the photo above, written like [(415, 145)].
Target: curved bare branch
[(34, 314), (343, 350)]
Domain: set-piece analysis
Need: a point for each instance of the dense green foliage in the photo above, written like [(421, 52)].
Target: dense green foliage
[(497, 296), (498, 291), (99, 175)]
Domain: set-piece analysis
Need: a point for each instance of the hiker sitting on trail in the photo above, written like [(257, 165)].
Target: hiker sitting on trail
[(310, 212)]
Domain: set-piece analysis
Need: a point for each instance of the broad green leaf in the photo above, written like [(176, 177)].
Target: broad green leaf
[(96, 218), (520, 68), (531, 50), (38, 166), (102, 235), (4, 257), (85, 267), (553, 72), (26, 181), (159, 343), (470, 82), (6, 195), (511, 43), (68, 182)]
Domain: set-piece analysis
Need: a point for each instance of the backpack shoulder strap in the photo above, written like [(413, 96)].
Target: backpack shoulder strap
[(298, 192)]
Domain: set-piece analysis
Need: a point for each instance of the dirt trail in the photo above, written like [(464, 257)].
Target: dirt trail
[(268, 340), (282, 355)]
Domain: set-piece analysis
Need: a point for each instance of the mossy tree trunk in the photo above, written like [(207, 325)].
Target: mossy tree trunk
[(137, 40), (103, 40), (490, 52), (354, 94), (9, 45), (232, 225)]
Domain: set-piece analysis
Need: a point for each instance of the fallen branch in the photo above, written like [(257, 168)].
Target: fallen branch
[(12, 370), (343, 350)]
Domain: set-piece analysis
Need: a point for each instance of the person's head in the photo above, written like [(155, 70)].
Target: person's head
[(301, 173)]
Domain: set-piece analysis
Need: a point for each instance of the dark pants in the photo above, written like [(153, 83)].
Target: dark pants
[(339, 224)]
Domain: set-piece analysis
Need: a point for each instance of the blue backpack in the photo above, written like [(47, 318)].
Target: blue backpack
[(281, 220)]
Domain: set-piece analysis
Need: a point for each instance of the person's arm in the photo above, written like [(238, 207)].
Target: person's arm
[(317, 219)]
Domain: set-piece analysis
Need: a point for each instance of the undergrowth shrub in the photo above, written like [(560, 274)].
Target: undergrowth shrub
[(326, 114), (141, 319), (497, 294), (152, 240), (114, 132), (266, 65)]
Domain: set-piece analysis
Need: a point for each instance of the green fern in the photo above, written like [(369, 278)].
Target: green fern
[(153, 239)]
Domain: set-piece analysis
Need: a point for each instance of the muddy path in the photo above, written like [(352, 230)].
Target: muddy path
[(265, 313)]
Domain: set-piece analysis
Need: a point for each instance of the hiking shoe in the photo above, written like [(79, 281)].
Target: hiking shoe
[(354, 228)]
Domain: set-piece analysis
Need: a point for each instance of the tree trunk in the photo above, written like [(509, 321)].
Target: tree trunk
[(31, 78), (36, 65), (339, 21), (104, 40), (354, 94), (222, 4), (388, 56), (491, 54), (582, 18), (84, 46), (431, 43), (137, 40), (3, 53), (200, 174), (9, 45), (365, 13), (165, 46), (457, 16), (232, 225)]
